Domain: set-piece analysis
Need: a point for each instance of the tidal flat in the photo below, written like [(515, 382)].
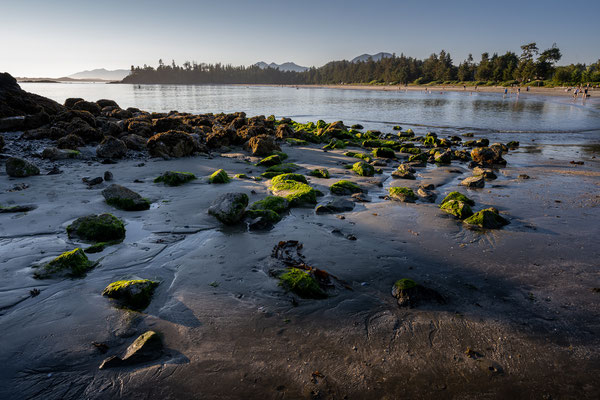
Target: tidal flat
[(510, 312)]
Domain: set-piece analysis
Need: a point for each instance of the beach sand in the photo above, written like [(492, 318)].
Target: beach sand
[(521, 318)]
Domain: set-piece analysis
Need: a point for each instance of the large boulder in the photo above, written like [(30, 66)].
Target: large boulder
[(124, 198), (111, 147), (172, 144), (297, 193), (229, 207), (343, 187), (363, 169), (262, 146), (403, 194), (19, 168)]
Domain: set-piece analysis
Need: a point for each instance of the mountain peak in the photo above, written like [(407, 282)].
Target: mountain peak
[(374, 57), (287, 66)]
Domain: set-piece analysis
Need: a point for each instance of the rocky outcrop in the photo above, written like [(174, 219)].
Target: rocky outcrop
[(14, 101)]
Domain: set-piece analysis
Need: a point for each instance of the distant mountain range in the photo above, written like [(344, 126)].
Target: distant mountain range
[(375, 57), (102, 74), (288, 66)]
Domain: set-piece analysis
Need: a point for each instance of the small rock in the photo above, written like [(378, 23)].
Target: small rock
[(124, 198), (335, 206), (146, 347), (108, 176), (474, 182)]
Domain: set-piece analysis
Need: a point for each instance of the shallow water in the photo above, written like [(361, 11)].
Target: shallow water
[(440, 112)]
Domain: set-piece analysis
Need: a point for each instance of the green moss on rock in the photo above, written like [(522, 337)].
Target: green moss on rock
[(296, 142), (219, 176), (301, 283), (459, 197), (320, 173), (175, 178), (72, 263), (273, 203), (405, 283), (344, 187), (283, 168), (135, 294), (402, 194), (363, 169), (297, 193), (459, 209), (289, 177), (97, 228), (268, 215), (270, 161), (486, 219), (270, 174), (384, 152)]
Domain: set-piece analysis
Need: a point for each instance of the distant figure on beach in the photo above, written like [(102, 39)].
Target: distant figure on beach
[(505, 91), (475, 87), (527, 89), (464, 87), (519, 91)]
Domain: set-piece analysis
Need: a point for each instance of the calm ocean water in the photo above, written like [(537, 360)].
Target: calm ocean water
[(443, 113)]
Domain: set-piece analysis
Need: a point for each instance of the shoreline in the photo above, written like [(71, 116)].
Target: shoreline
[(497, 311)]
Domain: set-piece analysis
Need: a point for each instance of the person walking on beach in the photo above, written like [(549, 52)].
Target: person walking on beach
[(505, 92)]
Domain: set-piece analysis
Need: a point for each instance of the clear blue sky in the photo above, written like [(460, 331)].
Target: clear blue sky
[(60, 37)]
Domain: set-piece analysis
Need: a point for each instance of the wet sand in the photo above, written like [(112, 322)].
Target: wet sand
[(521, 299)]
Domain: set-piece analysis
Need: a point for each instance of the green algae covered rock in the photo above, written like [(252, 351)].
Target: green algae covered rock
[(175, 178), (363, 169), (402, 194), (297, 193), (418, 157), (229, 207), (296, 142), (283, 168), (219, 176), (335, 144), (384, 152), (135, 294), (97, 228), (410, 150), (72, 263), (459, 197), (486, 219), (405, 283), (267, 216), (125, 199), (301, 283), (19, 168), (289, 177), (272, 203), (147, 347), (344, 187), (275, 159), (459, 209), (320, 173), (270, 175)]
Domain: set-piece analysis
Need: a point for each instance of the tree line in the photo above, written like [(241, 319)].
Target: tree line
[(532, 66)]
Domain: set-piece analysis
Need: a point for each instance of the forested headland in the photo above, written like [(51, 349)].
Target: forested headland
[(531, 67)]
